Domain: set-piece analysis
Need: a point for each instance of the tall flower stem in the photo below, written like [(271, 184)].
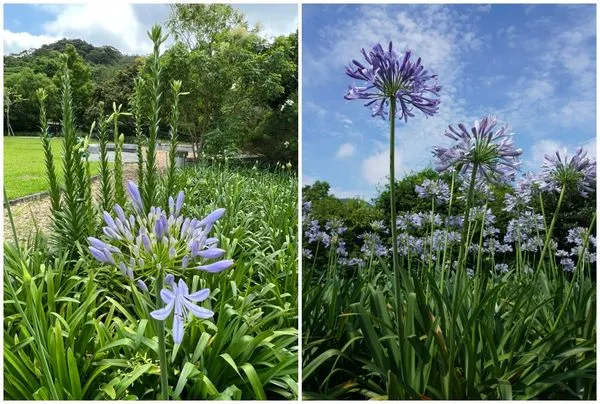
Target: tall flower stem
[(393, 211), (162, 350), (442, 278), (463, 239), (551, 228)]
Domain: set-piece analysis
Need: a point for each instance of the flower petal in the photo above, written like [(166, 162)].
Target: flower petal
[(216, 266), (197, 311), (167, 296), (178, 323), (212, 217), (199, 295), (163, 313), (211, 253), (183, 288), (170, 280)]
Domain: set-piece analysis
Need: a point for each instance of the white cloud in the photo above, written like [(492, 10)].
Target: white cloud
[(549, 147), (484, 8), (308, 180), (346, 150), (15, 42), (117, 25), (590, 146), (352, 193), (125, 25), (274, 19), (565, 56), (541, 149), (437, 34), (376, 168)]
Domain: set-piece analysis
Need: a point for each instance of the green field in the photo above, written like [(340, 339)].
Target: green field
[(24, 169)]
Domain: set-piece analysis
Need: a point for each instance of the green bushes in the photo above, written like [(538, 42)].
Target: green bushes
[(517, 323), (76, 328)]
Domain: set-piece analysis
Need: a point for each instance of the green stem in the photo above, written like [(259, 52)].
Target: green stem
[(162, 350), (442, 278), (464, 243), (580, 263), (393, 212), (551, 228)]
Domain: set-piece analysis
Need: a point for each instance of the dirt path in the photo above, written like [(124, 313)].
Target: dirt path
[(34, 214)]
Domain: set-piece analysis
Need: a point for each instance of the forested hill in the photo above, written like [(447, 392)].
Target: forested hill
[(241, 89), (98, 55), (94, 70)]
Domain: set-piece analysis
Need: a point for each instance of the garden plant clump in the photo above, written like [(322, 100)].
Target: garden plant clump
[(180, 285), (476, 291)]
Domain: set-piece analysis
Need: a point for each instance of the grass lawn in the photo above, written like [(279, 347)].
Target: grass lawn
[(24, 169)]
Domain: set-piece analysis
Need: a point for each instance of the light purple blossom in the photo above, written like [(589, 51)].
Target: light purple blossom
[(568, 264), (182, 303), (143, 236), (341, 248), (379, 225), (389, 75), (528, 224), (579, 172), (136, 198), (576, 235), (518, 200), (313, 233), (335, 227), (352, 262), (492, 150), (437, 189), (142, 285), (502, 268), (215, 267), (372, 245)]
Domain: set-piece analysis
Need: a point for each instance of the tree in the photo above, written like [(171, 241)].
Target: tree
[(242, 88), (81, 84), (407, 199), (25, 82), (199, 25), (356, 214), (276, 137), (118, 87), (11, 97)]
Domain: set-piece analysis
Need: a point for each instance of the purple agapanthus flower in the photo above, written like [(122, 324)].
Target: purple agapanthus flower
[(135, 241), (437, 189), (388, 75), (502, 268), (568, 264), (579, 172), (373, 245), (352, 262), (576, 235), (179, 301), (491, 150)]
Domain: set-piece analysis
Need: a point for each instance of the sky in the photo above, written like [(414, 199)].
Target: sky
[(532, 66), (121, 25)]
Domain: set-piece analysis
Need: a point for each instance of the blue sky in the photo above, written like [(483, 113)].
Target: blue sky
[(533, 66), (121, 25)]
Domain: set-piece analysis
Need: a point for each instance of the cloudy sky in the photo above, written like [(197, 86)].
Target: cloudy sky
[(121, 25), (533, 66)]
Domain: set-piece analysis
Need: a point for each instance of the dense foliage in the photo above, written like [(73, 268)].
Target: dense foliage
[(91, 329), (511, 325), (92, 307), (243, 87)]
